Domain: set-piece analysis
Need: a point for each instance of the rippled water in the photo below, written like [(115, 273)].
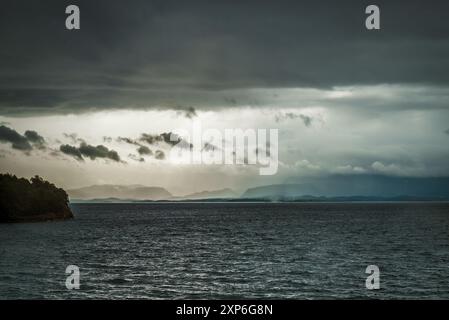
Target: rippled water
[(231, 250)]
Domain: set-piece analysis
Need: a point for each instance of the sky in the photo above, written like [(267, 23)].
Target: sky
[(93, 106)]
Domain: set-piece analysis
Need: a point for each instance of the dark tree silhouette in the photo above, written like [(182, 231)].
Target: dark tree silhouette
[(22, 200)]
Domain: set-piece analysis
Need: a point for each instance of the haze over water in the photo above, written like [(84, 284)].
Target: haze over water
[(231, 250)]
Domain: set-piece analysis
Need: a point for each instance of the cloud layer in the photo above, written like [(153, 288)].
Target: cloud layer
[(167, 54)]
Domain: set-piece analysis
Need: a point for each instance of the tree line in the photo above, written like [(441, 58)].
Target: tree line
[(31, 200)]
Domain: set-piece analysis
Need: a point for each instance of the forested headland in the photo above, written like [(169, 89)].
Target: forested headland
[(23, 200)]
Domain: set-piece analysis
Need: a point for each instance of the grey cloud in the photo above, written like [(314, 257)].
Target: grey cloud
[(175, 140), (143, 150), (71, 151), (17, 141), (169, 138), (307, 120), (128, 140), (55, 153), (153, 54), (188, 112), (99, 151), (151, 138), (231, 101), (89, 151), (155, 139), (36, 139), (159, 154), (447, 131)]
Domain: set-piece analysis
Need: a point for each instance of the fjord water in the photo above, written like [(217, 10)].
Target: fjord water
[(231, 250)]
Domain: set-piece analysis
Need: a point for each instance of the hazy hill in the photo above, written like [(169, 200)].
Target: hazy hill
[(132, 192), (326, 188), (216, 194), (355, 186), (277, 191)]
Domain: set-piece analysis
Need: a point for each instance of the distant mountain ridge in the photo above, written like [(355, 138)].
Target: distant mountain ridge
[(131, 192), (277, 191), (117, 193), (215, 194), (329, 188), (340, 186)]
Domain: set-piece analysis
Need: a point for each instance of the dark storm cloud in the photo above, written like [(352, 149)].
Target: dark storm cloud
[(148, 54), (169, 138), (141, 150), (175, 140), (37, 140), (17, 141), (144, 151), (128, 140), (71, 151), (155, 139), (188, 112), (99, 151), (159, 155), (20, 142), (150, 138), (89, 151), (307, 120)]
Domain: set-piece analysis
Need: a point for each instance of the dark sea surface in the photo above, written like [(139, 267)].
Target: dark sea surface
[(231, 250)]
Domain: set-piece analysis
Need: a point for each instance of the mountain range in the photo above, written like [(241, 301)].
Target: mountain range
[(131, 192), (115, 193), (329, 188)]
